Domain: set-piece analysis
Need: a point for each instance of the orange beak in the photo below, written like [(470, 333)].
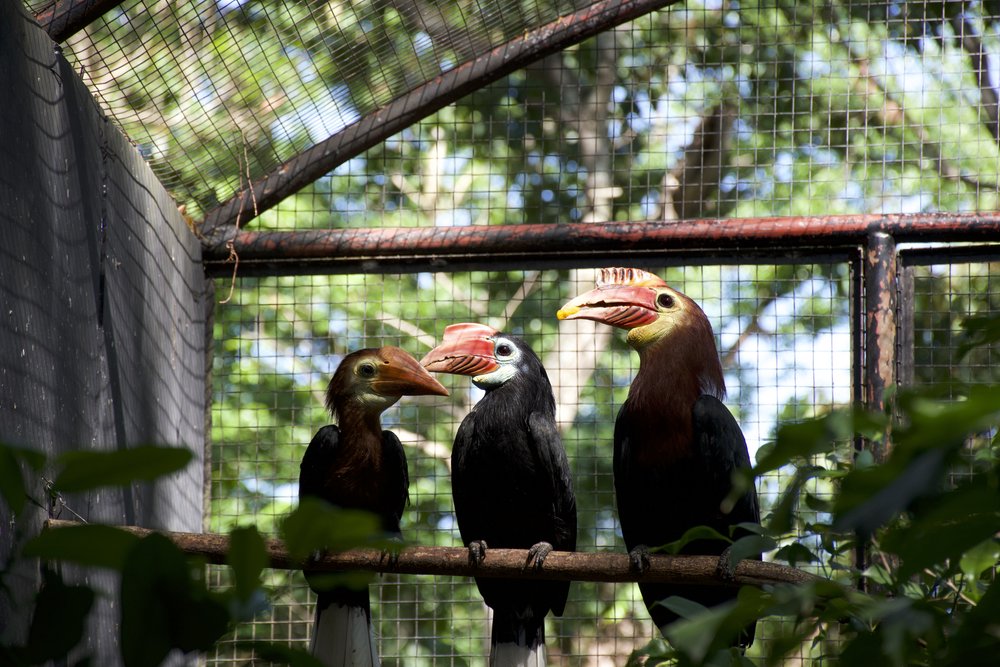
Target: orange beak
[(401, 375), (467, 349), (623, 306)]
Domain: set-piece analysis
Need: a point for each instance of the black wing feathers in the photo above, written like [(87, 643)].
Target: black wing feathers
[(320, 456), (552, 458), (323, 459), (723, 448), (657, 504), (397, 481)]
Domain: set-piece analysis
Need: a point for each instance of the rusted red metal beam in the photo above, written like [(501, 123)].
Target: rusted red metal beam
[(312, 163), (879, 264), (65, 18), (441, 246), (881, 289)]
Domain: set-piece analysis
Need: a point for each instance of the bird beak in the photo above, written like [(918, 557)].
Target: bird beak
[(467, 349), (623, 306), (403, 376)]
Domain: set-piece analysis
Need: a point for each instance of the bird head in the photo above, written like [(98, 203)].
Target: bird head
[(489, 357), (664, 325), (637, 301), (373, 379)]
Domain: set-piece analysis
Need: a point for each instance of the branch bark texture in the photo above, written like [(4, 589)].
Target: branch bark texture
[(499, 563)]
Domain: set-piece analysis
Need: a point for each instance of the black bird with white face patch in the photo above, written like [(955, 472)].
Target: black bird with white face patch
[(510, 480)]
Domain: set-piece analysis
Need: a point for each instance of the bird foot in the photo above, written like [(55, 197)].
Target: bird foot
[(537, 555), (316, 556), (390, 555), (477, 552), (725, 569), (639, 558)]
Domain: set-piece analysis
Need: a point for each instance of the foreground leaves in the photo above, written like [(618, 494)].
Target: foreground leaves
[(165, 604), (82, 471), (933, 537)]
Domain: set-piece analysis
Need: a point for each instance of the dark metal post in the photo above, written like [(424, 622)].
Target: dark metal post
[(880, 325), (878, 265), (858, 376)]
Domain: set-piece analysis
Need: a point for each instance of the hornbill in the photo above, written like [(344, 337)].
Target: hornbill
[(357, 465), (510, 481), (676, 444)]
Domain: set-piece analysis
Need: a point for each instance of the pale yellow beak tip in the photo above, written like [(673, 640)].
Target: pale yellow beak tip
[(567, 311)]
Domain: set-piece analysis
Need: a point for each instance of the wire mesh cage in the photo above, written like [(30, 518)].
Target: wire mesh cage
[(783, 330)]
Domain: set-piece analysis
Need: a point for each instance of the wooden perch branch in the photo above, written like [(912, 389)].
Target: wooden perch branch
[(499, 563)]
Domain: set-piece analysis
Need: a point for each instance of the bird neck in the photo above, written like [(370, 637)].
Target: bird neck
[(670, 380), (686, 363), (362, 428), (664, 389), (522, 394)]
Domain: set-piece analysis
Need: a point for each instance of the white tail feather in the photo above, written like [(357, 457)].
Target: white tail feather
[(343, 637), (515, 655)]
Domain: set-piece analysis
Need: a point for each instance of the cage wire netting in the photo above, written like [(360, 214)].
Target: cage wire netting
[(796, 358), (703, 110), (213, 92), (876, 106)]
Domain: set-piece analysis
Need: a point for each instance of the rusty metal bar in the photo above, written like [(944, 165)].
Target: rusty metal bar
[(905, 323), (438, 248), (65, 18), (309, 165), (879, 265), (881, 289), (862, 546)]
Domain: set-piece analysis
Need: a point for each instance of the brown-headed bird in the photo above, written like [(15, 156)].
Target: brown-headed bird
[(357, 465), (676, 444), (510, 481)]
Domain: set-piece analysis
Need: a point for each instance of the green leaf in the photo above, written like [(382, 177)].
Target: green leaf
[(977, 332), (869, 498), (12, 487), (959, 520), (90, 544), (691, 535), (976, 641), (59, 618), (795, 553), (750, 546), (980, 558), (879, 575), (683, 607), (247, 557), (783, 515), (164, 606), (316, 525), (82, 471), (702, 633), (802, 440)]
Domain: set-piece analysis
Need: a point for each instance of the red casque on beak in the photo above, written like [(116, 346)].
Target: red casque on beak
[(401, 375), (624, 306), (467, 349)]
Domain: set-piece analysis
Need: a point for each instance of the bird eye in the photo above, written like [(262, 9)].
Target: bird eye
[(366, 370), (504, 350), (665, 300)]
